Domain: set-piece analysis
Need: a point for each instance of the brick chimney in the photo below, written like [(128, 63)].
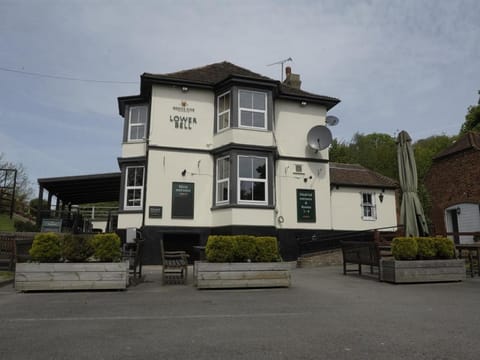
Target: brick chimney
[(292, 80)]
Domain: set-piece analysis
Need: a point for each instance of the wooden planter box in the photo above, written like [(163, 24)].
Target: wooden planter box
[(241, 275), (418, 271), (71, 276)]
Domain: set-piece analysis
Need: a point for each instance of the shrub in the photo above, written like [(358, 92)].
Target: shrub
[(445, 247), (241, 248), (404, 248), (46, 247), (220, 248), (106, 247), (24, 226), (426, 248), (245, 248), (267, 249), (77, 248)]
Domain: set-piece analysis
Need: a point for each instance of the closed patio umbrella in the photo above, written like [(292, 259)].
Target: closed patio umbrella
[(411, 211)]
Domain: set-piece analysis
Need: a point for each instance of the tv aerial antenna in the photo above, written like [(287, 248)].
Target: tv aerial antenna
[(282, 62)]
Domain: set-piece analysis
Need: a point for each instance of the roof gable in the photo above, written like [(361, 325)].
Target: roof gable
[(470, 140)]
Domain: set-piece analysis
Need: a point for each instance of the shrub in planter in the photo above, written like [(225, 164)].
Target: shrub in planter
[(445, 248), (46, 247), (106, 247), (404, 248), (77, 248), (245, 248), (220, 248), (267, 249), (426, 248)]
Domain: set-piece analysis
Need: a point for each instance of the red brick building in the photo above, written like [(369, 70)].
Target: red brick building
[(453, 183)]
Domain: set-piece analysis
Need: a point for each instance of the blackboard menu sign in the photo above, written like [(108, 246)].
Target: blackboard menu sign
[(183, 196), (155, 212), (51, 225), (306, 205)]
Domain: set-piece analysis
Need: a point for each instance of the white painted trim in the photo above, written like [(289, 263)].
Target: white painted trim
[(135, 187), (217, 181), (239, 179), (265, 112), (130, 125), (224, 112)]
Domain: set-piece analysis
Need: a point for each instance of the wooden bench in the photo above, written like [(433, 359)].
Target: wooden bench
[(7, 251), (175, 266), (360, 253)]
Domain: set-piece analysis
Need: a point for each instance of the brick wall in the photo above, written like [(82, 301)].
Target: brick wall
[(453, 180)]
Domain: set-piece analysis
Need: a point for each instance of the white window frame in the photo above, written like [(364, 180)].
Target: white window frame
[(132, 125), (224, 180), (134, 187), (240, 179), (219, 114), (252, 110), (364, 205)]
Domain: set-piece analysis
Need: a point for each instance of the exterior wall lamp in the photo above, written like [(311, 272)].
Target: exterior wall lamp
[(184, 172), (381, 197), (459, 210), (303, 104), (184, 89)]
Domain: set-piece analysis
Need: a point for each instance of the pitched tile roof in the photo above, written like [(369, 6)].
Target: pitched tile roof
[(211, 74), (358, 176), (470, 140), (214, 74)]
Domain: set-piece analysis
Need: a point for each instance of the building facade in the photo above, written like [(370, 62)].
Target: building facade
[(454, 189), (222, 150)]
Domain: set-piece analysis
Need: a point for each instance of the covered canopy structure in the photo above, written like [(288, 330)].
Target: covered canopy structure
[(83, 189)]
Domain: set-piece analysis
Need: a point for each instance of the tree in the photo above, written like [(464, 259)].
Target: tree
[(23, 190), (375, 151), (472, 119)]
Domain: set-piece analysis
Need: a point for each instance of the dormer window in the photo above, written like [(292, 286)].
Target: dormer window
[(137, 122), (223, 106), (252, 109)]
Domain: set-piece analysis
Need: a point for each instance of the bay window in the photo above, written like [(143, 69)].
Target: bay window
[(252, 179), (252, 109), (223, 111), (223, 180)]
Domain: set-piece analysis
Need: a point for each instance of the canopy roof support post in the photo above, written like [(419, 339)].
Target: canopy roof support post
[(39, 206)]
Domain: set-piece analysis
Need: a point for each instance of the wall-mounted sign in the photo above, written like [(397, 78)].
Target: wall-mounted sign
[(182, 121), (155, 212), (51, 225), (306, 205), (183, 196)]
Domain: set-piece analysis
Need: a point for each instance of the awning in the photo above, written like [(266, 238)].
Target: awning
[(83, 189)]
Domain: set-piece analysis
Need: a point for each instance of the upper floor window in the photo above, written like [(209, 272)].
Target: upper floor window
[(134, 187), (137, 122), (252, 109), (223, 109), (252, 179), (368, 206), (223, 180)]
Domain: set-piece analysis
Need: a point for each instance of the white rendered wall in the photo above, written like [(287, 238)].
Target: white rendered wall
[(244, 137), (287, 183), (243, 216), (126, 220), (133, 149), (347, 209), (167, 102), (292, 125), (164, 168)]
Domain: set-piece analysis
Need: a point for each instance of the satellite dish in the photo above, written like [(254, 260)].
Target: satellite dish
[(319, 137), (332, 120)]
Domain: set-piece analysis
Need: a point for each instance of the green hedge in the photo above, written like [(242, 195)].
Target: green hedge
[(77, 248), (241, 248), (409, 248), (53, 247), (106, 247), (46, 247)]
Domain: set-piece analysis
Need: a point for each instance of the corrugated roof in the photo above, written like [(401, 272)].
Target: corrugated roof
[(358, 176), (470, 140)]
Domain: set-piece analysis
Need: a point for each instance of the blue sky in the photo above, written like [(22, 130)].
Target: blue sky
[(396, 65)]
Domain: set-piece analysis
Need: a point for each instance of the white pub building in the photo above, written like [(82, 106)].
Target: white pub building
[(220, 149)]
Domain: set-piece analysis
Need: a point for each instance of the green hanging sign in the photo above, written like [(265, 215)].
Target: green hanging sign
[(306, 205)]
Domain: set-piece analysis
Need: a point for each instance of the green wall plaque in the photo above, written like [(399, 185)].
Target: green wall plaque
[(183, 196), (306, 205)]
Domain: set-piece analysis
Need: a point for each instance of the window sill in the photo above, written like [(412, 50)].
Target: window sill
[(242, 206), (131, 211)]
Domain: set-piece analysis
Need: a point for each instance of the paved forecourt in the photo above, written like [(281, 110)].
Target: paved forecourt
[(324, 315)]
